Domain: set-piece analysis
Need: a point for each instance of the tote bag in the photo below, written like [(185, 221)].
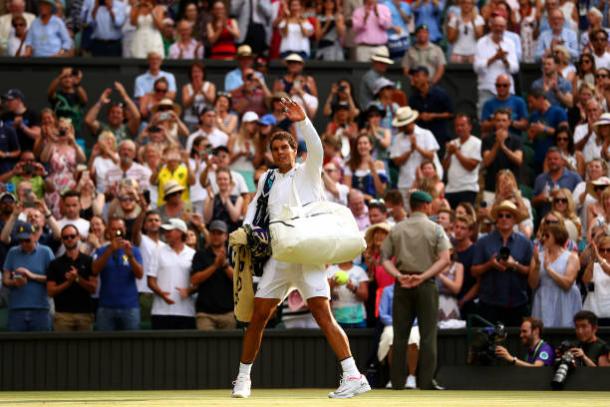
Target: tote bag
[(317, 233)]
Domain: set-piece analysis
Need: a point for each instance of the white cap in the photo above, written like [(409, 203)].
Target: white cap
[(249, 117), (175, 223)]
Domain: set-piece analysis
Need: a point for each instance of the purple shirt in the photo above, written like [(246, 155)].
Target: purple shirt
[(543, 352), (373, 30)]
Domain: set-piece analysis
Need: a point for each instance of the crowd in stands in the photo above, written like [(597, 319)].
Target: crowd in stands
[(132, 231)]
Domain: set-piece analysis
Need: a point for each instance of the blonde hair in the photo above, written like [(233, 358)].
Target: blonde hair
[(107, 135), (571, 207)]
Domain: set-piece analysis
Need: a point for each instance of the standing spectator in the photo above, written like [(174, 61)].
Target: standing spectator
[(212, 275), (348, 298), (16, 12), (301, 88), (374, 236), (176, 168), (118, 264), (463, 31), (356, 204), (504, 99), (145, 83), (433, 104), (156, 100), (411, 146), (71, 207), (449, 283), (9, 148), (148, 20), (106, 19), (208, 129), (224, 205), (398, 33), (596, 275), (425, 53), (247, 152), (330, 33), (334, 190), (599, 41), (428, 13), (122, 118), (363, 172), (295, 31), (174, 206), (502, 262), (556, 89), (168, 278), (254, 19), (557, 35), (127, 168), (380, 61), (226, 119), (222, 33), (463, 247), (341, 91), (245, 60), (462, 158), (585, 134), (370, 22), (495, 55), (24, 120), (48, 35), (563, 203), (68, 97), (70, 283), (528, 29), (185, 47), (544, 121), (196, 94), (552, 278), (25, 269), (251, 95)]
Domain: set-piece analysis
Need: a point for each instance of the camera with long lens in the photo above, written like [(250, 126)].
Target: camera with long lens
[(565, 362), (482, 351)]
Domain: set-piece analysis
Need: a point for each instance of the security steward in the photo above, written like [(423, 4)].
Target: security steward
[(421, 249)]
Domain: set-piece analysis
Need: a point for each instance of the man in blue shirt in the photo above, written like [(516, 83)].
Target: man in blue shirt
[(557, 35), (504, 100), (539, 353), (9, 147), (502, 262), (398, 33), (145, 83), (25, 270), (48, 35), (106, 17), (118, 264), (245, 60), (556, 89), (557, 176), (544, 121)]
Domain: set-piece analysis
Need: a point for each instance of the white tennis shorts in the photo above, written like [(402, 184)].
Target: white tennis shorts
[(387, 339), (280, 278)]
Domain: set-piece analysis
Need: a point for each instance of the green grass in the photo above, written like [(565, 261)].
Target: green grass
[(304, 397)]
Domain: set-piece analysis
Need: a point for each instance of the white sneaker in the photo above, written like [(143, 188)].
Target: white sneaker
[(411, 382), (350, 386), (241, 387), (388, 385)]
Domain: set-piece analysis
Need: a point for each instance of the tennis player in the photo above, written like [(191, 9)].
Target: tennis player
[(280, 278)]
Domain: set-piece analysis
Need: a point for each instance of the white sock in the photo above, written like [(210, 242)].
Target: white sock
[(244, 368), (349, 367)]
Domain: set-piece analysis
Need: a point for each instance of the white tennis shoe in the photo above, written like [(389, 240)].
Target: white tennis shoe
[(241, 387), (350, 386), (411, 382)]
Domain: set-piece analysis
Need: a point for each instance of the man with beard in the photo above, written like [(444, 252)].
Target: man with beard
[(539, 353), (70, 284)]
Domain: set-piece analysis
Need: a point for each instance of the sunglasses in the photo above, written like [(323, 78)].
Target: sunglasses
[(604, 250), (505, 216), (586, 61), (68, 237), (160, 90), (502, 85), (19, 25), (24, 240), (551, 222), (601, 75), (563, 139), (600, 187), (560, 200), (126, 199)]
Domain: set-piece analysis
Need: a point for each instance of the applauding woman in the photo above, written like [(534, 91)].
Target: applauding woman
[(363, 172), (223, 205)]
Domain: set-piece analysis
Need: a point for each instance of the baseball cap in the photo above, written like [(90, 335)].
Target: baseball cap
[(421, 27), (249, 117), (12, 94), (421, 196), (24, 231), (175, 223), (5, 195), (218, 225), (419, 69), (268, 120)]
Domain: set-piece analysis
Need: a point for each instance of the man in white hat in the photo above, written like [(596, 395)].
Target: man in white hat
[(245, 60), (412, 145), (370, 23), (169, 277), (380, 61)]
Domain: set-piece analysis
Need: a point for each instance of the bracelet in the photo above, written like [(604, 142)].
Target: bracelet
[(48, 215), (514, 360)]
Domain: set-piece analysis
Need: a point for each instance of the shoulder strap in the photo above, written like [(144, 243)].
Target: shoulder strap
[(261, 216)]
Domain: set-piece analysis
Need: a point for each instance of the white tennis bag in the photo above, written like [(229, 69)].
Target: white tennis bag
[(316, 233)]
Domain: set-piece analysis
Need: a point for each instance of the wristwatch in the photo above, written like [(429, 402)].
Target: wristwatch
[(77, 279), (514, 360)]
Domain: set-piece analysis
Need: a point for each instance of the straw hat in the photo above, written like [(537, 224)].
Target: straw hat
[(605, 181), (165, 103), (294, 58), (370, 231), (506, 206), (171, 187), (382, 55), (404, 116)]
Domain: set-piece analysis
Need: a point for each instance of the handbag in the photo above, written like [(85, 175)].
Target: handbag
[(398, 44), (317, 233)]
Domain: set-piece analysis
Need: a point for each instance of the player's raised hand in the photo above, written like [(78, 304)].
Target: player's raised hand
[(293, 111)]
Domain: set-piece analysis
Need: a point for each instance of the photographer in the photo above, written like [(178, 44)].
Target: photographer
[(341, 91), (27, 169), (67, 97), (590, 350), (251, 95), (539, 353)]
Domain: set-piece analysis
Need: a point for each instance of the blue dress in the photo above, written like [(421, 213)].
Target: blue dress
[(552, 304)]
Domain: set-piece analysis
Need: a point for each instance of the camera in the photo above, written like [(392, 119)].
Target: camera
[(29, 168), (564, 364), (62, 131), (118, 233), (250, 76), (342, 88), (165, 116), (482, 351), (503, 254)]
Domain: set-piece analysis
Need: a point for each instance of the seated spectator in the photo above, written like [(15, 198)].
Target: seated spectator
[(251, 94), (396, 206), (176, 168), (591, 351), (597, 278), (196, 95), (434, 105), (463, 31), (246, 149), (528, 25), (145, 83), (148, 20), (427, 179), (575, 160), (168, 34), (384, 92), (587, 135), (557, 35), (127, 168), (47, 34), (15, 46), (245, 60), (226, 119), (552, 279), (222, 33), (495, 55), (539, 353), (564, 204), (302, 88), (68, 98), (24, 120), (185, 47), (106, 20), (444, 217), (378, 213), (586, 194), (595, 20), (209, 130), (71, 207), (122, 118), (564, 65), (585, 75), (25, 275), (168, 278), (27, 169), (349, 291), (223, 205), (380, 61), (449, 282), (212, 275), (599, 42), (557, 90), (425, 53), (505, 100), (173, 205), (16, 12), (330, 33), (334, 190), (341, 91), (461, 162), (602, 85), (70, 283), (503, 296), (355, 202), (154, 98)]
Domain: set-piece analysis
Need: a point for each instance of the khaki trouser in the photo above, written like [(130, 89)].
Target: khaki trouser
[(69, 321), (211, 322), (420, 302)]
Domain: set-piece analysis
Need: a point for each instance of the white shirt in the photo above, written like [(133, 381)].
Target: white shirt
[(294, 39), (466, 44), (487, 75), (172, 270), (148, 248), (459, 178), (101, 165), (216, 138), (345, 297), (240, 187), (402, 143), (81, 224), (602, 61), (343, 192), (307, 177), (592, 149)]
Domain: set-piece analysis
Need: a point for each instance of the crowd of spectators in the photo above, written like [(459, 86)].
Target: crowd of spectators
[(131, 231)]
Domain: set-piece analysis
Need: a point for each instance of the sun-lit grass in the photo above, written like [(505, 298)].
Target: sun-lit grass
[(304, 397)]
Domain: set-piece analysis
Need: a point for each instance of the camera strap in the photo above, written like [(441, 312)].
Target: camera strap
[(537, 348)]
